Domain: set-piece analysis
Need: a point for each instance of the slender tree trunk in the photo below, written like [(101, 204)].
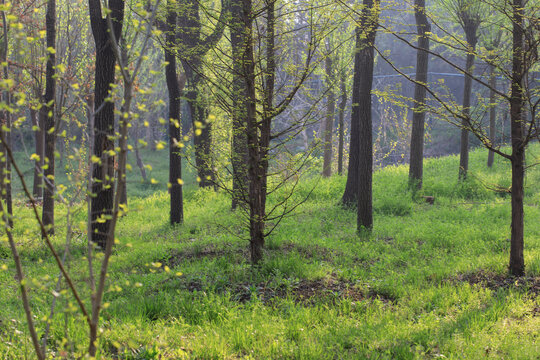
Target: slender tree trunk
[(103, 171), (329, 119), (467, 90), (363, 114), (121, 186), (492, 113), (342, 107), (503, 132), (239, 151), (517, 263), (256, 218), (173, 86), (416, 168), (350, 196), (49, 128), (37, 189), (268, 107), (5, 120), (258, 134)]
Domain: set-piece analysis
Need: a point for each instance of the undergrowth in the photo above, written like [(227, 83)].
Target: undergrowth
[(430, 281)]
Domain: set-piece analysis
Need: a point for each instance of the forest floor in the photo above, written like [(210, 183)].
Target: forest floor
[(429, 282)]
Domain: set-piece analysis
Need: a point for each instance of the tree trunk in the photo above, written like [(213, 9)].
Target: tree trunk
[(329, 119), (362, 81), (258, 133), (517, 263), (239, 151), (492, 113), (362, 112), (49, 128), (256, 203), (103, 171), (467, 89), (37, 189), (416, 167), (190, 29), (350, 196), (173, 86), (5, 120), (342, 107)]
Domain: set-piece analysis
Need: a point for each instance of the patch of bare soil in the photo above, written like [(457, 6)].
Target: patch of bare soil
[(306, 292), (176, 257), (494, 281)]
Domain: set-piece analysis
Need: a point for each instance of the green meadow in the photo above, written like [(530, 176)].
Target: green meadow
[(429, 282)]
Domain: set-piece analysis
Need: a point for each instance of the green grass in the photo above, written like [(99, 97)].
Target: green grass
[(407, 291)]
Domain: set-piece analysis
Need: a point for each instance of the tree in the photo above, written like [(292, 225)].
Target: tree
[(519, 137), (39, 135), (361, 111), (361, 142), (5, 123), (174, 87), (469, 15), (341, 119), (361, 107), (491, 46), (103, 147), (523, 129), (330, 112), (239, 149), (419, 114), (49, 116), (256, 98), (192, 47)]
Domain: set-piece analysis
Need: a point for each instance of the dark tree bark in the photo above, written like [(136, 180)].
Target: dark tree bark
[(350, 196), (258, 131), (362, 114), (258, 136), (173, 86), (517, 263), (259, 124), (470, 24), (464, 148), (341, 116), (259, 171), (329, 119), (416, 167), (239, 151), (103, 171), (492, 113), (192, 50), (49, 116)]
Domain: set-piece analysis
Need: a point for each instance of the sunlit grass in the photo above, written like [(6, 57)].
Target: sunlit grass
[(210, 303)]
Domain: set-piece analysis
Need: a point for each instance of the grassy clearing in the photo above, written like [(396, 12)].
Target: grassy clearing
[(429, 282)]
